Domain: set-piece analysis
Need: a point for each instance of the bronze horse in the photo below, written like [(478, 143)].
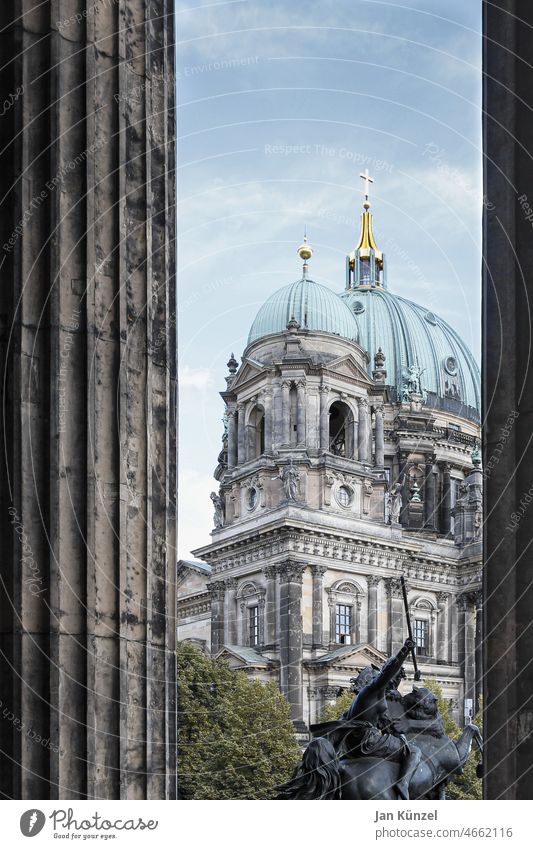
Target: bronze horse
[(323, 774)]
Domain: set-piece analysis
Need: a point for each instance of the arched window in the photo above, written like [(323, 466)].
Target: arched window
[(255, 433), (423, 618), (251, 600), (340, 429), (344, 599)]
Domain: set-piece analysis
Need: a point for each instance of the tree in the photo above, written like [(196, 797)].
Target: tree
[(235, 736), (465, 786)]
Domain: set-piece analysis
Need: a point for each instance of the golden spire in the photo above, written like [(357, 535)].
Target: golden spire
[(365, 266), (305, 252)]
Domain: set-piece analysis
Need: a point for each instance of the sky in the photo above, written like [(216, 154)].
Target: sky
[(281, 105)]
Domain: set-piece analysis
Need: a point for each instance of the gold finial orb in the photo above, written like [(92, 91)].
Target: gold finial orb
[(305, 251)]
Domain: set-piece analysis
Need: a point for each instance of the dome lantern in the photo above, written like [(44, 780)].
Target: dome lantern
[(365, 266)]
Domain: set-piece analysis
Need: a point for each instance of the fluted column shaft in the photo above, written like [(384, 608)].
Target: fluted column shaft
[(442, 627), (232, 439), (267, 405), (446, 499), (277, 414), (364, 431), (318, 604), (230, 617), (324, 418), (429, 495), (286, 412), (373, 583), (300, 412), (241, 435), (270, 605), (291, 637), (396, 615), (379, 437)]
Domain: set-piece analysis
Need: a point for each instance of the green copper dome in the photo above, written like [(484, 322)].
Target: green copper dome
[(410, 335), (313, 306)]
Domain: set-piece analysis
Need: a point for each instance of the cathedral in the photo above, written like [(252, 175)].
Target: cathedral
[(350, 458)]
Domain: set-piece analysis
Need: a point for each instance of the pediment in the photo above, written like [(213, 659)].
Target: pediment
[(353, 657), (349, 367), (238, 657), (248, 371)]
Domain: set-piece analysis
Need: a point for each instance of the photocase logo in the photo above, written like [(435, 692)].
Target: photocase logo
[(32, 822)]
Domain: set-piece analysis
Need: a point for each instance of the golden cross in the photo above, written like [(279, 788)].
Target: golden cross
[(368, 179)]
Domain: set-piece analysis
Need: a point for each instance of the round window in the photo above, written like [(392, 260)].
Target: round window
[(450, 364), (430, 318), (252, 498), (344, 496), (358, 307)]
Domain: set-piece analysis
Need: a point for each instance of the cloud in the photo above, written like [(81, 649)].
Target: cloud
[(196, 378)]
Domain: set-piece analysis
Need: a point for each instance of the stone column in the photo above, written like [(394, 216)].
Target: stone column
[(318, 612), (379, 437), (88, 358), (241, 435), (478, 602), (373, 584), (429, 495), (286, 412), (291, 638), (403, 480), (270, 609), (467, 642), (324, 417), (217, 590), (267, 406), (396, 615), (232, 439), (277, 415), (364, 430), (442, 627), (446, 499), (230, 618), (355, 432), (300, 415)]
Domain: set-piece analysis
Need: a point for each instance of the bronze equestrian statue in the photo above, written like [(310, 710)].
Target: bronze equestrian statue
[(369, 754)]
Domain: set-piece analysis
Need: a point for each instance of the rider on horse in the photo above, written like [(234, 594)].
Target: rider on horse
[(361, 731)]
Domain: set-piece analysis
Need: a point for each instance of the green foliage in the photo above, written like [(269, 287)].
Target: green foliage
[(467, 785), (341, 703), (235, 737)]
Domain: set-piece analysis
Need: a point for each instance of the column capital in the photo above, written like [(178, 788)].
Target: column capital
[(378, 405), (230, 583), (285, 383), (323, 389), (362, 403), (217, 590), (373, 580), (301, 383), (442, 597), (291, 572), (319, 569), (393, 587), (270, 571)]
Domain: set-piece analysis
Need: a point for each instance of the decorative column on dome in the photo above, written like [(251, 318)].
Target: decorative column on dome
[(277, 414), (267, 406), (286, 412), (232, 438), (324, 418), (380, 373), (429, 494), (365, 266), (300, 412), (318, 612), (446, 499), (363, 430), (379, 436), (241, 435)]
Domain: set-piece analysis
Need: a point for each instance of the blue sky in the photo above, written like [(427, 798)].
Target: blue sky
[(281, 106)]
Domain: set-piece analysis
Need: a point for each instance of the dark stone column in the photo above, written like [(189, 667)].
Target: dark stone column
[(286, 412), (88, 358), (300, 414), (318, 611), (373, 583), (324, 418), (217, 590), (230, 617), (364, 431), (270, 605), (404, 512), (396, 615), (379, 437), (429, 495), (508, 395), (467, 643), (442, 627), (267, 404), (241, 434), (291, 639), (446, 517), (232, 439)]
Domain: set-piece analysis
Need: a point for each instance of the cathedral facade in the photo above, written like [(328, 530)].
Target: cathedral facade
[(350, 458)]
